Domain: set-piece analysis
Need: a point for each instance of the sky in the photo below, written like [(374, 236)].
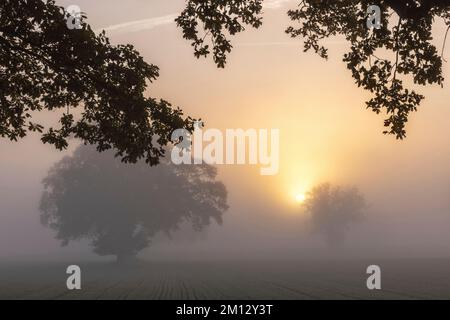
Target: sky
[(327, 135)]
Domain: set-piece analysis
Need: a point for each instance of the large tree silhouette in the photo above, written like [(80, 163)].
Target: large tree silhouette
[(333, 209), (45, 66), (119, 207), (406, 33)]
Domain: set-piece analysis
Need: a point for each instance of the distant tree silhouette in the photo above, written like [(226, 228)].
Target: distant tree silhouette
[(119, 207), (333, 209), (44, 65), (409, 41)]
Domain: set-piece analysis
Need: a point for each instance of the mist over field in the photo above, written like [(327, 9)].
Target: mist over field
[(266, 244)]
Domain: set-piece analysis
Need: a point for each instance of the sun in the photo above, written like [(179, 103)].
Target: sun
[(301, 197)]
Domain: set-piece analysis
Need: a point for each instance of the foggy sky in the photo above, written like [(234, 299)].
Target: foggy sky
[(326, 135)]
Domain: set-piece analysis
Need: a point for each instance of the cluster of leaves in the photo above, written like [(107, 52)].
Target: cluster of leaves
[(409, 41), (46, 66), (120, 207), (217, 19), (333, 209), (414, 9)]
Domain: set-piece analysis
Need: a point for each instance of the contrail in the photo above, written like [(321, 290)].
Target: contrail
[(151, 23), (139, 25)]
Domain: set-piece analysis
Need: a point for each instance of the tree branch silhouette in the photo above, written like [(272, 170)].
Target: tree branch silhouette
[(315, 20), (46, 66)]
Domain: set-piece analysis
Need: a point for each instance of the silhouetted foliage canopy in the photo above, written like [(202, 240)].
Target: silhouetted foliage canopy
[(119, 207), (44, 65), (98, 88), (333, 209), (408, 39)]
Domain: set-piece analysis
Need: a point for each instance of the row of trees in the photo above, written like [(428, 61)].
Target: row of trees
[(120, 207)]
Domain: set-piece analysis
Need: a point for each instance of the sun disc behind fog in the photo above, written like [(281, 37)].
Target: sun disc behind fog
[(300, 198)]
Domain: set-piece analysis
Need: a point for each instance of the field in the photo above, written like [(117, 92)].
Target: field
[(406, 279)]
